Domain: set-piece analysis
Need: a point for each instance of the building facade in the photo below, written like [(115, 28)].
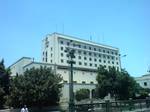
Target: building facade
[(144, 81), (88, 56)]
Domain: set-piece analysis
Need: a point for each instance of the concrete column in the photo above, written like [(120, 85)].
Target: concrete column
[(90, 93)]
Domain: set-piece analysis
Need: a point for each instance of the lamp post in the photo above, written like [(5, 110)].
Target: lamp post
[(121, 56), (70, 54)]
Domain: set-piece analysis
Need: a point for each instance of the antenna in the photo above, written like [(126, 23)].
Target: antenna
[(148, 69), (103, 37), (90, 38), (63, 28), (56, 28)]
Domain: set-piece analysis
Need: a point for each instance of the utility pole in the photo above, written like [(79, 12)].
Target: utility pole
[(121, 56), (70, 53)]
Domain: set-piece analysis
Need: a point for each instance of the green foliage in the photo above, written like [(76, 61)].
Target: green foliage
[(2, 97), (119, 84), (82, 94), (4, 82), (36, 87), (143, 93)]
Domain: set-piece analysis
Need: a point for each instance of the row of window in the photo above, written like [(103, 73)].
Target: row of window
[(90, 48), (83, 82), (85, 58), (86, 53), (46, 43), (90, 64)]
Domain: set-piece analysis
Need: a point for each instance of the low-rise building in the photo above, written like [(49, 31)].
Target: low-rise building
[(144, 81)]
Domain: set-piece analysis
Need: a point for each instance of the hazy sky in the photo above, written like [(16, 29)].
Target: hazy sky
[(120, 23)]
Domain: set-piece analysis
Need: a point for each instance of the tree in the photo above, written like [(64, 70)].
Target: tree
[(4, 82), (119, 84), (127, 87), (143, 93), (2, 100), (36, 87), (82, 94)]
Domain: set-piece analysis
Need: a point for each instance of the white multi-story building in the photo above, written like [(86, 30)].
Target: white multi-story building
[(88, 56), (144, 81)]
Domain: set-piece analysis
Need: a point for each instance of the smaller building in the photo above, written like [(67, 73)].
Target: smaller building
[(144, 81), (17, 67), (87, 80)]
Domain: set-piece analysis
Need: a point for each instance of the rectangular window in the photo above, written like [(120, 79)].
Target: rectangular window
[(104, 61), (67, 55), (85, 64), (62, 54), (94, 49), (89, 53), (89, 48), (112, 62), (79, 57), (95, 65), (74, 81), (79, 46), (68, 43), (100, 60), (61, 42), (79, 52), (74, 45), (84, 52), (46, 53), (108, 57), (90, 64), (92, 82), (145, 83), (103, 51), (61, 48), (83, 82), (80, 63), (95, 59), (90, 59), (85, 58), (104, 56), (109, 67), (62, 60)]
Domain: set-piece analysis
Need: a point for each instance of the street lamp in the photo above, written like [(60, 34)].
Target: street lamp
[(121, 56), (70, 54)]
